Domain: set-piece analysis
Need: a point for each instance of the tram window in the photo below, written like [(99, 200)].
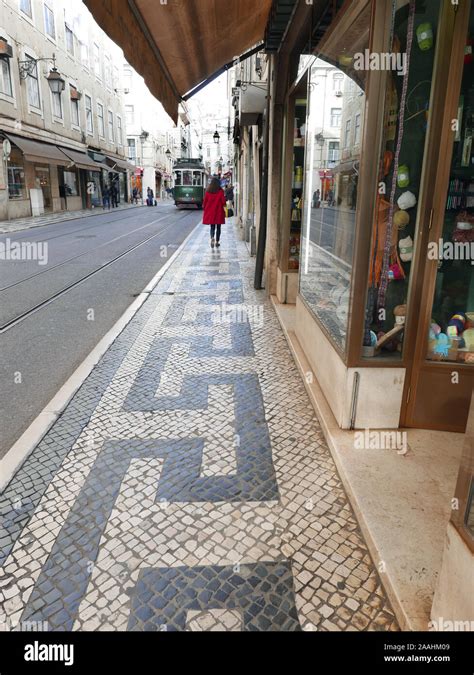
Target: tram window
[(177, 178), (197, 180), (187, 177)]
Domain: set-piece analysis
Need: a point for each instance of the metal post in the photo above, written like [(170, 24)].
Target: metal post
[(262, 232)]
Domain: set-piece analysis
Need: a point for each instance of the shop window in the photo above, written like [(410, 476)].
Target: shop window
[(451, 335), (25, 7), (16, 175), (49, 25), (70, 183), (394, 230), (100, 120), (32, 83), (5, 78), (89, 115), (331, 184)]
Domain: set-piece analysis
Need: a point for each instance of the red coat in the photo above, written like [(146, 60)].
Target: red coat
[(214, 204)]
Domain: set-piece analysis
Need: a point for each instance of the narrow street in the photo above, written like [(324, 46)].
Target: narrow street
[(51, 320)]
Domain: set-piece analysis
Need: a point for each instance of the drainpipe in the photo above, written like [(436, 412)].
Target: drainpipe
[(262, 232)]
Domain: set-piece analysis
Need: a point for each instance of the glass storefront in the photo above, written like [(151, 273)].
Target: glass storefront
[(94, 189), (334, 138), (394, 230), (43, 182), (451, 334), (16, 175), (294, 248), (71, 183)]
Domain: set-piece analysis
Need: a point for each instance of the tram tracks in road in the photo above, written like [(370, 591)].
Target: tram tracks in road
[(80, 255), (19, 235), (41, 305)]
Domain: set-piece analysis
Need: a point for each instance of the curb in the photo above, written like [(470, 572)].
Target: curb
[(33, 226), (24, 446)]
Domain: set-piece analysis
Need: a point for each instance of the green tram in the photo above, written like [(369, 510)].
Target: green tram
[(190, 182)]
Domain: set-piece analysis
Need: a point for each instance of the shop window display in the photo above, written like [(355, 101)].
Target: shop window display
[(332, 180), (451, 334), (16, 175), (405, 126), (297, 184)]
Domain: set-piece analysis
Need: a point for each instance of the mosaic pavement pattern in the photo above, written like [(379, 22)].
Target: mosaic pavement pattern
[(187, 486)]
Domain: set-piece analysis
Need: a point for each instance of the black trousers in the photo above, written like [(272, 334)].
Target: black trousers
[(216, 230)]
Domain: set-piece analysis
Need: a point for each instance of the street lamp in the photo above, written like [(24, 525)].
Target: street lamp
[(320, 139), (216, 137), (56, 82)]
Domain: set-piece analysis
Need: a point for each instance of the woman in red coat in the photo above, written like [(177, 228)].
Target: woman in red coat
[(214, 210)]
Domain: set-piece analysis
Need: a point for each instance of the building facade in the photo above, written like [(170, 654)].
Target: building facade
[(66, 140), (154, 142)]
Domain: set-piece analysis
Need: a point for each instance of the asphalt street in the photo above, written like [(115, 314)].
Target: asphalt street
[(49, 323)]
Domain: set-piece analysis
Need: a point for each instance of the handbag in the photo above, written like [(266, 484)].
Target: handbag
[(230, 213)]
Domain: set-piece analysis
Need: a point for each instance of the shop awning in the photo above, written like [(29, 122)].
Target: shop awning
[(37, 151), (176, 45), (80, 159), (120, 163)]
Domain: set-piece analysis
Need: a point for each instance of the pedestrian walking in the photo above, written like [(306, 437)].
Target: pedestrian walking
[(229, 194), (214, 210), (114, 195), (316, 199), (150, 197), (135, 195), (106, 197)]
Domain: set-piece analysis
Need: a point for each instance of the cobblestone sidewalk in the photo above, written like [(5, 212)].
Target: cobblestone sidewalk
[(187, 486)]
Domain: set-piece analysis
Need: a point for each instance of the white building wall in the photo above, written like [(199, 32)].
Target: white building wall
[(28, 37)]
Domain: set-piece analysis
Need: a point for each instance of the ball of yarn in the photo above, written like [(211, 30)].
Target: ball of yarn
[(401, 219)]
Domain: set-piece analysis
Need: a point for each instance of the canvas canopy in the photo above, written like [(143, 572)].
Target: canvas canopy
[(177, 44)]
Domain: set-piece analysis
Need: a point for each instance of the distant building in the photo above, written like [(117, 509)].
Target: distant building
[(66, 138), (154, 142)]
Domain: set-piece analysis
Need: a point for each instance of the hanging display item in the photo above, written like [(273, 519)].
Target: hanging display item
[(403, 177), (401, 219), (424, 35), (407, 200), (385, 279), (406, 249)]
